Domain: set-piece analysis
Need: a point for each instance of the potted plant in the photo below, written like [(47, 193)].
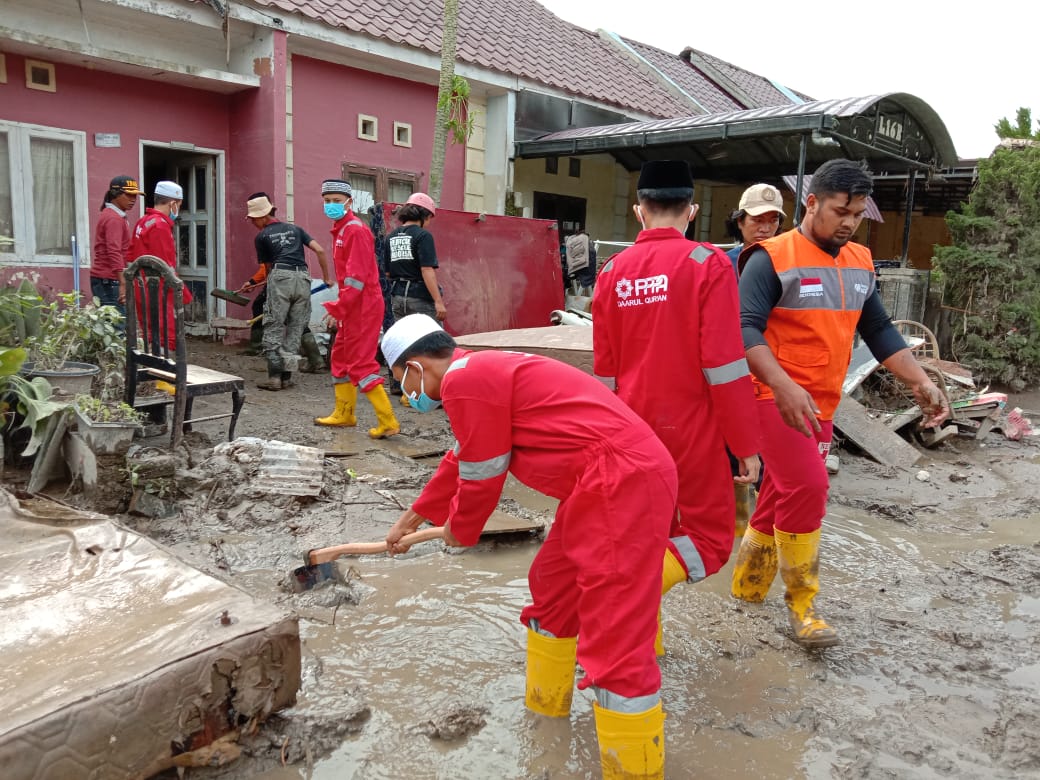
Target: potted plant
[(25, 404), (107, 427), (78, 348)]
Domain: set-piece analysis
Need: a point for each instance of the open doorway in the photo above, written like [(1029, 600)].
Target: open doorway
[(199, 231)]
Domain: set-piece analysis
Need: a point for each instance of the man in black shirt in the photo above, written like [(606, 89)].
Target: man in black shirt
[(279, 246)]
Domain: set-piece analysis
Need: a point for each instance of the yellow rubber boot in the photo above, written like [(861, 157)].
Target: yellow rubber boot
[(673, 573), (165, 387), (756, 566), (631, 746), (550, 674), (746, 498), (388, 425), (405, 401), (343, 414), (800, 569)]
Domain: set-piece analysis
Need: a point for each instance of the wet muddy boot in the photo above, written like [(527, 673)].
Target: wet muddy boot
[(631, 745), (746, 498), (287, 380), (275, 369), (309, 348), (800, 568), (405, 401), (343, 414), (256, 340), (550, 674), (673, 573), (387, 422), (755, 568)]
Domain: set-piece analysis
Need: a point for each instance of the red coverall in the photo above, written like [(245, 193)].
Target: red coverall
[(153, 235), (597, 575), (359, 308), (667, 328)]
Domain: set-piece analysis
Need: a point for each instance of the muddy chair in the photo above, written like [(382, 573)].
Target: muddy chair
[(156, 350)]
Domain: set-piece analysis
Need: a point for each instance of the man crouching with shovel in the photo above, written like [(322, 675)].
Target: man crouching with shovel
[(598, 572)]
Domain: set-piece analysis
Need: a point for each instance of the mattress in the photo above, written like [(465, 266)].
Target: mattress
[(116, 656)]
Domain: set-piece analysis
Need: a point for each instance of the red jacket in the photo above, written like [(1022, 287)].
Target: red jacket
[(357, 274), (527, 414), (111, 244), (667, 328), (153, 235)]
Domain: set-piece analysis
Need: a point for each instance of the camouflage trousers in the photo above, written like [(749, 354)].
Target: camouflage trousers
[(287, 311)]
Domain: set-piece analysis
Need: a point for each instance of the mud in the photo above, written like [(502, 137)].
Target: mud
[(414, 666)]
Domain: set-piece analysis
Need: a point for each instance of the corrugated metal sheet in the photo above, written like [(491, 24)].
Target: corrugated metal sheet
[(290, 469)]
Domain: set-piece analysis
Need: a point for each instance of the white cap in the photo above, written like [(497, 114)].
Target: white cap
[(404, 333), (169, 189)]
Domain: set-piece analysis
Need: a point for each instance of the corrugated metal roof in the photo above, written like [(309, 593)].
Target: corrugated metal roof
[(896, 131)]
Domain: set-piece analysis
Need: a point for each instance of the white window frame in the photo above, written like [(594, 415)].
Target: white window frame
[(24, 252)]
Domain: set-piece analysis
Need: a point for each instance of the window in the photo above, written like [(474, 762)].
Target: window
[(40, 75), (379, 185), (552, 165), (574, 167), (43, 194), (402, 134), (367, 127)]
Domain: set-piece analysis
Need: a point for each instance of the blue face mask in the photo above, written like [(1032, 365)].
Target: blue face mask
[(335, 210), (419, 401)]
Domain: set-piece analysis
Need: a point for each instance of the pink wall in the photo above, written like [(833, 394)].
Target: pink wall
[(326, 101), (98, 102)]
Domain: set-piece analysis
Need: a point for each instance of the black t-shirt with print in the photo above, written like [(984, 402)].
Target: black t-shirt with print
[(409, 249), (282, 242)]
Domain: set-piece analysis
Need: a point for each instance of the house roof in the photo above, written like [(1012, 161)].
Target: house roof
[(749, 89), (708, 94), (893, 132), (526, 41)]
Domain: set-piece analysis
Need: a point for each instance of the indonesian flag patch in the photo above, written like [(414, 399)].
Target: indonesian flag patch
[(811, 288)]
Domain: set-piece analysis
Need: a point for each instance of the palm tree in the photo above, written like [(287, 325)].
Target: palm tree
[(445, 90)]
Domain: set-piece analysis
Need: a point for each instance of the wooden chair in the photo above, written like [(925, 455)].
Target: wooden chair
[(149, 283)]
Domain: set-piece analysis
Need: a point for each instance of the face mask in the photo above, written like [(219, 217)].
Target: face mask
[(174, 214), (335, 210), (420, 401)]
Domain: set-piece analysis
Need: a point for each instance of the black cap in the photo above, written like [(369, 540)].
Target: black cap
[(665, 175), (127, 184)]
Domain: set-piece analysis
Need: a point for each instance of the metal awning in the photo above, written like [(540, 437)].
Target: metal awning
[(893, 133)]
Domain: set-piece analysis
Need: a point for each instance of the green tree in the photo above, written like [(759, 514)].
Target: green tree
[(991, 272), (1023, 127), (453, 117)]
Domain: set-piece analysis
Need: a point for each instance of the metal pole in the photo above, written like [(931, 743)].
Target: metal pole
[(803, 148), (911, 181), (75, 268)]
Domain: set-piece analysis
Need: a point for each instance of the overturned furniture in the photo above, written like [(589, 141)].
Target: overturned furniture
[(151, 284), (123, 661)]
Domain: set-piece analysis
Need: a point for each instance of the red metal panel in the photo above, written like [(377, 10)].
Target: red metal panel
[(495, 272)]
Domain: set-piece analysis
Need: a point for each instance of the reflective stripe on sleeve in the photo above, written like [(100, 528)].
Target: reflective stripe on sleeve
[(700, 254), (484, 469), (609, 266), (730, 372), (457, 364), (350, 281)]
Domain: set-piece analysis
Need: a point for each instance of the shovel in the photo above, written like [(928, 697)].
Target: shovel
[(319, 566)]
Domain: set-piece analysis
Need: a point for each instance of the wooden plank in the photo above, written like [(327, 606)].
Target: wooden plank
[(502, 523), (871, 435), (571, 344)]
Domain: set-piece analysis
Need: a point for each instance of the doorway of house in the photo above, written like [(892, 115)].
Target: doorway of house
[(199, 228), (568, 211)]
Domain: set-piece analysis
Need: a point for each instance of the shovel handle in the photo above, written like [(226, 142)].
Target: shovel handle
[(326, 554)]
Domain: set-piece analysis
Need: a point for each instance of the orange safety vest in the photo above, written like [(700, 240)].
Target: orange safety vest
[(811, 328)]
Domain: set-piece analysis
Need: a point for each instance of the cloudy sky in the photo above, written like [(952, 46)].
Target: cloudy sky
[(972, 66)]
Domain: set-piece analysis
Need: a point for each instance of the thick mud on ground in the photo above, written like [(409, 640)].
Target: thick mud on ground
[(414, 666)]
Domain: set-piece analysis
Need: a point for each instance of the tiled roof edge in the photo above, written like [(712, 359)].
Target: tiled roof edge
[(615, 40)]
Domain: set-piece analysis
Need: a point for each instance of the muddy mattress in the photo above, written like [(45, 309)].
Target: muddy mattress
[(116, 657)]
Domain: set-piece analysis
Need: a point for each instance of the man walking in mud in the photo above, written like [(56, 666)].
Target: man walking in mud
[(667, 329), (804, 294), (596, 581)]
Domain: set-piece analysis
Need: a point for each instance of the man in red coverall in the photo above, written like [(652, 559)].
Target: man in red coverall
[(597, 575), (153, 235), (359, 312), (667, 328)]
